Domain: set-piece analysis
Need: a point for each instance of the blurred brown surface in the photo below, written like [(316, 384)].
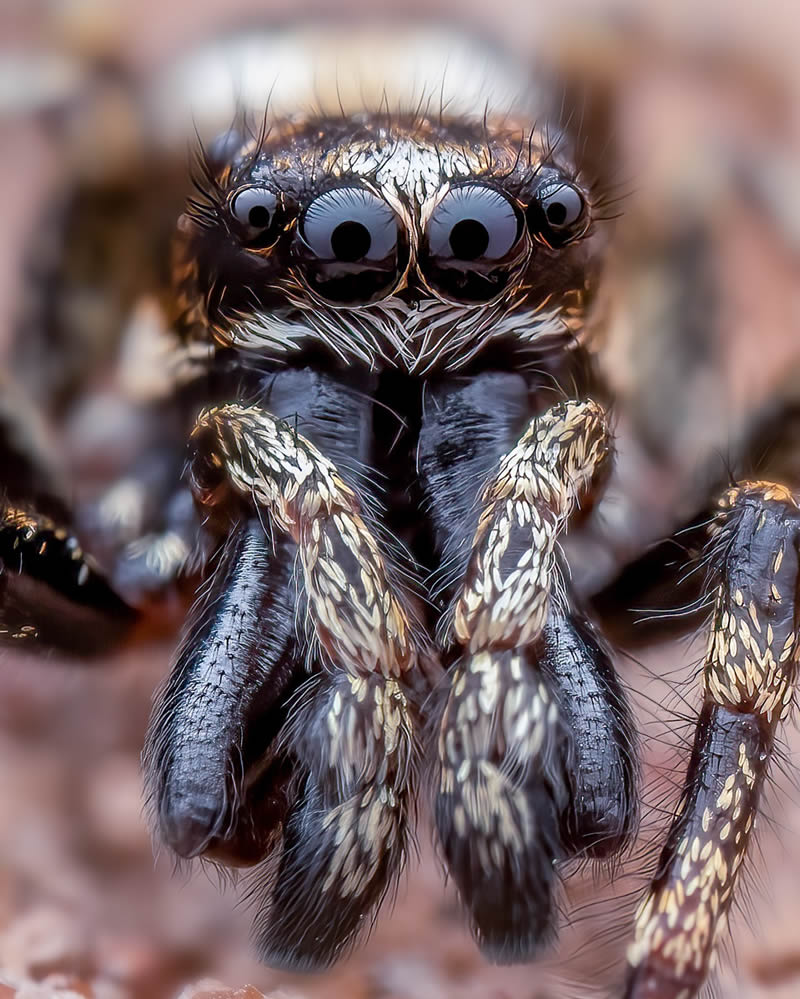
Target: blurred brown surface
[(84, 909)]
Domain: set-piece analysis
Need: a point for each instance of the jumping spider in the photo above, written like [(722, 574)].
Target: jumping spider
[(380, 355)]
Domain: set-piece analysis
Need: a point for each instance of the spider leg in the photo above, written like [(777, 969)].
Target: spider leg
[(518, 780), (52, 593), (212, 778), (144, 527), (142, 532), (603, 767), (748, 684), (350, 729), (93, 349)]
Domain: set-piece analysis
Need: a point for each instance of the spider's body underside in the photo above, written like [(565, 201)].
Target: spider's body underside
[(380, 356)]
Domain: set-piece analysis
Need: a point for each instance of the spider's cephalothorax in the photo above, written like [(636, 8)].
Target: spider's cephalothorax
[(390, 241), (382, 373)]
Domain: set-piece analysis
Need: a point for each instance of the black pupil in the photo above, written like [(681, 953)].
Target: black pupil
[(469, 239), (350, 241), (556, 212), (259, 216)]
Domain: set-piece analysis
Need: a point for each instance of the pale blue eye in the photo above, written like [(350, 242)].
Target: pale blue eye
[(351, 246), (254, 208), (562, 205), (473, 222), (557, 214), (349, 224)]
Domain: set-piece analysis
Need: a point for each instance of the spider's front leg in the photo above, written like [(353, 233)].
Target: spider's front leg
[(534, 759), (748, 683), (336, 752)]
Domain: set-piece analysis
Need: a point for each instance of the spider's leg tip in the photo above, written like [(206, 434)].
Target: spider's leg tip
[(188, 821), (281, 955), (606, 828), (514, 947)]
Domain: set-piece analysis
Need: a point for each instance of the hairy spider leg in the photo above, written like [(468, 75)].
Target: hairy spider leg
[(602, 813), (748, 685), (215, 783), (87, 327), (512, 779), (501, 722), (352, 727), (52, 592), (145, 526)]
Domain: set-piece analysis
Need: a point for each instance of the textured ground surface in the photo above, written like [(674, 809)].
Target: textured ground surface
[(85, 910)]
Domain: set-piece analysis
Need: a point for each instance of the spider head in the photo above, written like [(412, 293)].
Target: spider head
[(405, 239)]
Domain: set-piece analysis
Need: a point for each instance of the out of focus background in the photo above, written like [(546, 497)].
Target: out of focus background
[(702, 347)]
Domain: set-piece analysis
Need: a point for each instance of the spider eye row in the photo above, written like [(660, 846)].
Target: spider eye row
[(354, 249)]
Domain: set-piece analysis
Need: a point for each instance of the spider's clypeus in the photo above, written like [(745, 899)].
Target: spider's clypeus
[(379, 361)]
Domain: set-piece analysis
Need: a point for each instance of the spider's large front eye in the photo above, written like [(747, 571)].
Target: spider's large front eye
[(349, 244), (256, 211), (471, 240), (557, 215)]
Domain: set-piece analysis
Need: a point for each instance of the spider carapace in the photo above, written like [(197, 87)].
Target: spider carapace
[(379, 359)]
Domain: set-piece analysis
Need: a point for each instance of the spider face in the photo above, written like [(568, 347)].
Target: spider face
[(416, 228), (376, 423)]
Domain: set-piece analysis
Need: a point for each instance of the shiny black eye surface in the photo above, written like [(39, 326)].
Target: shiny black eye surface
[(256, 209), (471, 242), (557, 214), (351, 245)]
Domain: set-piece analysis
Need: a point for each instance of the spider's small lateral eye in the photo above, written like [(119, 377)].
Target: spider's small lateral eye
[(471, 240), (350, 243), (255, 209), (557, 215)]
